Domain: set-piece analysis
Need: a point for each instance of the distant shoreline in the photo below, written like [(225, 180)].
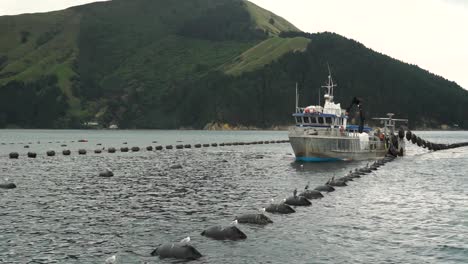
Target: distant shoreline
[(193, 129)]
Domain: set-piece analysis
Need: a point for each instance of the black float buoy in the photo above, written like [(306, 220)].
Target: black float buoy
[(324, 188), (159, 147), (197, 145), (214, 144), (429, 145), (206, 145), (50, 153), (256, 219), (107, 173), (297, 201), (111, 150), (424, 143), (224, 233), (135, 149), (179, 146), (149, 148), (180, 250), (311, 194), (401, 133), (221, 144), (82, 152), (280, 208), (65, 152), (414, 138), (169, 147), (32, 155), (123, 149), (14, 155), (419, 141), (26, 146), (9, 185), (188, 146), (97, 151)]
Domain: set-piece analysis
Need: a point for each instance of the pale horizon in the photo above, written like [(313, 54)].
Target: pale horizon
[(427, 33)]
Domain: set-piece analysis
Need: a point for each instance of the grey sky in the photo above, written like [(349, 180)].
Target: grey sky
[(429, 33)]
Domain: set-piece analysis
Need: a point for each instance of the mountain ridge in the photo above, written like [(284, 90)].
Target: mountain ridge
[(125, 62)]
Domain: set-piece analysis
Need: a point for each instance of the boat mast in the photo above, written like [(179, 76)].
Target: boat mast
[(330, 85), (319, 96)]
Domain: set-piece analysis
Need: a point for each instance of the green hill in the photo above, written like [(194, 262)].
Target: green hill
[(168, 64)]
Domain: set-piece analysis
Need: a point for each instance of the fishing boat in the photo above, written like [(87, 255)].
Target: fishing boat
[(322, 133)]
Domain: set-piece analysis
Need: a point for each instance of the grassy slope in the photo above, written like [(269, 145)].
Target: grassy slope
[(149, 48), (48, 48), (264, 53), (262, 20), (268, 50)]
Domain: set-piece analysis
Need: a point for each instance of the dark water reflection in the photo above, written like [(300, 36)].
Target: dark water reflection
[(413, 210)]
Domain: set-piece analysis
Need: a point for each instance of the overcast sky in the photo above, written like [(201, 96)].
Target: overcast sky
[(430, 33)]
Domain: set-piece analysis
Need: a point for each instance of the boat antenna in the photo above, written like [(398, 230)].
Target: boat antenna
[(297, 99), (330, 80)]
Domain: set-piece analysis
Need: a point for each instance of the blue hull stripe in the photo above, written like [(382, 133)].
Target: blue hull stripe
[(316, 159)]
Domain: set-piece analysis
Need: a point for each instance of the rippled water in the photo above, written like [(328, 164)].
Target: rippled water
[(412, 210)]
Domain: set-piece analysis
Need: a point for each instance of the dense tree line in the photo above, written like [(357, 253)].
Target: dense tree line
[(38, 104), (266, 97)]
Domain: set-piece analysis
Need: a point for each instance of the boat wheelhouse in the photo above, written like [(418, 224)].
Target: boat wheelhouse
[(323, 133)]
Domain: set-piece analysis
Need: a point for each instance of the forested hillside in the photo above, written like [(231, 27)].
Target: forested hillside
[(172, 64)]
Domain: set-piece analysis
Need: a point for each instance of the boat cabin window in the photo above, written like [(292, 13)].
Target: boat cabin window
[(306, 119), (320, 120), (328, 120), (298, 119)]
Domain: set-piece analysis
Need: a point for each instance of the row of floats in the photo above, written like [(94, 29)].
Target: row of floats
[(67, 152)]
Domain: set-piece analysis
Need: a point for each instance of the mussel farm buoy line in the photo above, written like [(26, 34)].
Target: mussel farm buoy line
[(410, 136)]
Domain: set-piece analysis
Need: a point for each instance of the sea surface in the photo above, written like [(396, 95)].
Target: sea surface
[(412, 210)]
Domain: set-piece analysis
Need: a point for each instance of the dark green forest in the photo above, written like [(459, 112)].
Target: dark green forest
[(266, 97), (39, 104), (164, 64)]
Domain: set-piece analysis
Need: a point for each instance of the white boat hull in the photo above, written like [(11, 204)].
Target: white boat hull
[(333, 146)]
